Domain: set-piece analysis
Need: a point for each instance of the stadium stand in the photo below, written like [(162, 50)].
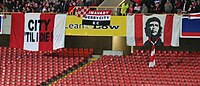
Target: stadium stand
[(52, 6), (27, 68), (132, 70), (61, 6), (78, 67)]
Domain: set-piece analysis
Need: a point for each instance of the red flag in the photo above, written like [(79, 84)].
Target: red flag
[(37, 31)]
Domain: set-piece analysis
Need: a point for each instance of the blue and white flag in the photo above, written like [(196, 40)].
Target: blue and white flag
[(191, 26)]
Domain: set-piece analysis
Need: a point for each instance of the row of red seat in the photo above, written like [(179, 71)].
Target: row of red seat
[(60, 52), (27, 68), (166, 53), (133, 70)]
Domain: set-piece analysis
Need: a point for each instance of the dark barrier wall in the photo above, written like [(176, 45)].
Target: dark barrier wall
[(99, 43), (4, 40)]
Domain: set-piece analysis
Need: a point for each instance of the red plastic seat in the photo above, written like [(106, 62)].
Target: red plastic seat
[(193, 53), (91, 51)]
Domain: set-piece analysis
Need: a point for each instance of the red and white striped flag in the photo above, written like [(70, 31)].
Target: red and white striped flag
[(37, 31), (152, 61), (153, 30), (81, 11)]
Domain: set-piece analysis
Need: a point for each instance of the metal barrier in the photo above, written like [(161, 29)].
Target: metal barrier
[(115, 11)]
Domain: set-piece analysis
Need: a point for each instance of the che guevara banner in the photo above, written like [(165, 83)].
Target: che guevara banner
[(37, 31), (156, 29)]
